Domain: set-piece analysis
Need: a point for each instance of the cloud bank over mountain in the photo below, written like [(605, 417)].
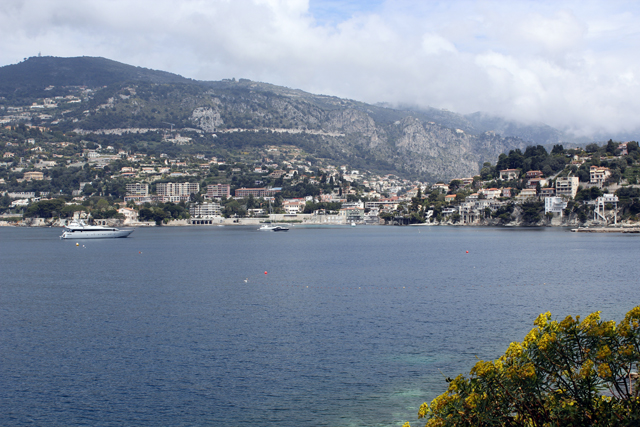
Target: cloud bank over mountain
[(570, 64)]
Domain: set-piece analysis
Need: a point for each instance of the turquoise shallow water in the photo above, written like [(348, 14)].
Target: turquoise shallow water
[(350, 327)]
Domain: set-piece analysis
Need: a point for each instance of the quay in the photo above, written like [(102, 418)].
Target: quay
[(606, 230)]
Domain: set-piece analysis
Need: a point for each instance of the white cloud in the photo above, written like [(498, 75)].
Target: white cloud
[(567, 63)]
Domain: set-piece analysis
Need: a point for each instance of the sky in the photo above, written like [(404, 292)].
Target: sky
[(573, 65)]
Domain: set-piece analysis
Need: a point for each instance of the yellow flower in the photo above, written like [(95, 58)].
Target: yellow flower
[(590, 321), (604, 371), (604, 352), (530, 371), (514, 350), (482, 368), (424, 410), (472, 400), (567, 323), (531, 336), (541, 321), (586, 369), (545, 340)]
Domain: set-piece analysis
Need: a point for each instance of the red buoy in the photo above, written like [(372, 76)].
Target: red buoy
[(467, 251), (265, 272)]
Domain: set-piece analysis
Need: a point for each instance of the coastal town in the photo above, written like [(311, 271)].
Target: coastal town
[(48, 178)]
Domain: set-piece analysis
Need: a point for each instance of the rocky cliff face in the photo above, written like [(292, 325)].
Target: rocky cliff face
[(406, 139), (206, 118), (351, 131)]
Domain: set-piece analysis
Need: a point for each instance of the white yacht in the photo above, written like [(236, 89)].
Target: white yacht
[(273, 227), (268, 226), (80, 230)]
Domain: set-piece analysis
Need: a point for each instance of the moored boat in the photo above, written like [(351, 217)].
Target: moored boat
[(273, 227), (80, 230)]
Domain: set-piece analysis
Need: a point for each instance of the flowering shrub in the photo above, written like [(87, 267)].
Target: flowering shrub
[(567, 373)]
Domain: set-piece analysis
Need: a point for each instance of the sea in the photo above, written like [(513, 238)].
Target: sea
[(318, 326)]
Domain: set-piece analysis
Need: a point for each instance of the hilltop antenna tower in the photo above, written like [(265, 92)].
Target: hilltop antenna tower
[(165, 131)]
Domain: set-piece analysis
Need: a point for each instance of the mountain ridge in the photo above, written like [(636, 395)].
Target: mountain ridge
[(424, 144)]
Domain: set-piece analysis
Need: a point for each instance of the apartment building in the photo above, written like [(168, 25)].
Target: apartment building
[(137, 189), (177, 188), (218, 190), (567, 186), (256, 192), (205, 210)]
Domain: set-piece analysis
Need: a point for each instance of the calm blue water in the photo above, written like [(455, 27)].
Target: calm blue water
[(350, 327)]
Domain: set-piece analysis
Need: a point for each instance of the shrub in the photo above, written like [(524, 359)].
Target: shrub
[(564, 373)]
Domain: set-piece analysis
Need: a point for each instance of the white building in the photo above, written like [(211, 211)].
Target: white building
[(294, 206), (205, 210), (554, 205), (130, 215)]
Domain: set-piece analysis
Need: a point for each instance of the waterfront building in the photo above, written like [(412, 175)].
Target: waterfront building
[(354, 214), (601, 203), (205, 210), (554, 205), (130, 215), (294, 206), (468, 213)]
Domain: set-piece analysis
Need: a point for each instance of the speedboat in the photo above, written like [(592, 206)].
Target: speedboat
[(273, 227), (80, 230)]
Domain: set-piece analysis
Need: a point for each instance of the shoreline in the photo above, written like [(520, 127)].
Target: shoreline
[(239, 222)]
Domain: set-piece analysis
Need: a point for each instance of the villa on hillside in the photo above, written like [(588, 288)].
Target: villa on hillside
[(598, 175), (509, 174)]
